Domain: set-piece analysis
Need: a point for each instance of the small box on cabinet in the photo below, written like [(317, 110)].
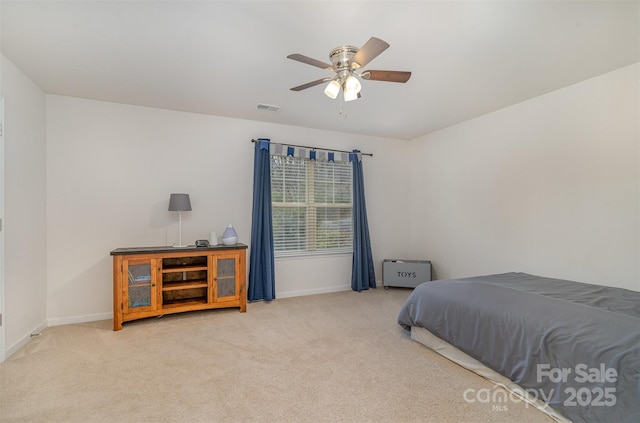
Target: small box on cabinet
[(405, 273)]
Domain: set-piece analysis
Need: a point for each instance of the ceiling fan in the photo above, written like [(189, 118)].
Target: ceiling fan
[(346, 62)]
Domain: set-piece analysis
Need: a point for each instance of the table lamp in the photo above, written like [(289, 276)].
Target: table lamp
[(180, 203)]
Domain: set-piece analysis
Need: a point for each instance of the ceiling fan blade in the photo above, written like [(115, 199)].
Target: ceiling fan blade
[(383, 75), (310, 61), (369, 51), (310, 84)]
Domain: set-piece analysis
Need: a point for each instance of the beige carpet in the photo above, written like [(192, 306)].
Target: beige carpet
[(337, 357)]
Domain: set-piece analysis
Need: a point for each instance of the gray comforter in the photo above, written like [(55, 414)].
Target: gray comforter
[(574, 345)]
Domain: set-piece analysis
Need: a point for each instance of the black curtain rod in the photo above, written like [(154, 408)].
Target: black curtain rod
[(320, 148)]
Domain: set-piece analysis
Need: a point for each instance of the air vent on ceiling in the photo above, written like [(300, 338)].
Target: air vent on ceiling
[(269, 107)]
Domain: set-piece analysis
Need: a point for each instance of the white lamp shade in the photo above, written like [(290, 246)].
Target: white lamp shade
[(332, 90), (352, 83), (350, 95), (351, 88)]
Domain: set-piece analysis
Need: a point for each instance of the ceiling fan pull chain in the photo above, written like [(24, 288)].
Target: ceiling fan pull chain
[(340, 112)]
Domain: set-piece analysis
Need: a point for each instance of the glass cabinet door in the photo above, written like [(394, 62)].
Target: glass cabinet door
[(226, 286), (140, 292)]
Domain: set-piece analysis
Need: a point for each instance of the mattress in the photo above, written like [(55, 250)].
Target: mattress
[(575, 346)]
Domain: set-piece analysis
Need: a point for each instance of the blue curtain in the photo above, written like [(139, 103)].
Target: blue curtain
[(363, 275), (261, 261)]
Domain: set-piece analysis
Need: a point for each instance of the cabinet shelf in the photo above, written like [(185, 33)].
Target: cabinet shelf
[(175, 286), (189, 302), (139, 283), (176, 269)]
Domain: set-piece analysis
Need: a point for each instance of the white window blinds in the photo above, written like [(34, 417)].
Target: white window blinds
[(312, 206)]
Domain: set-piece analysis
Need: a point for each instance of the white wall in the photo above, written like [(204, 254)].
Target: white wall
[(25, 218), (111, 168), (549, 186)]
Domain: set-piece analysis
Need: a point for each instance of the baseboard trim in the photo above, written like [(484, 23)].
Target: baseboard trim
[(302, 292), (106, 316), (59, 321), (24, 341)]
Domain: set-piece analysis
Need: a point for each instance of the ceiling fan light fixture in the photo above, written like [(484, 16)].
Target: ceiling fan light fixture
[(345, 61), (350, 95), (352, 84), (332, 90), (351, 88)]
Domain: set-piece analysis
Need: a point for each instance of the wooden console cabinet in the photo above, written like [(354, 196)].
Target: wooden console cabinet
[(152, 281)]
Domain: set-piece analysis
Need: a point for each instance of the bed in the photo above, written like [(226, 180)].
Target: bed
[(571, 349)]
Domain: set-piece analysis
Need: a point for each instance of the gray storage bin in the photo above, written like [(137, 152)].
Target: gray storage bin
[(405, 273)]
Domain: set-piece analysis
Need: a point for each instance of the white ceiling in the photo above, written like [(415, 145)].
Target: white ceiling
[(224, 58)]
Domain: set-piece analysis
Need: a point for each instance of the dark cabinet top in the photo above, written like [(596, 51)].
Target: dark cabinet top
[(170, 249)]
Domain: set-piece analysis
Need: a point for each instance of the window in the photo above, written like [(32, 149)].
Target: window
[(312, 206)]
